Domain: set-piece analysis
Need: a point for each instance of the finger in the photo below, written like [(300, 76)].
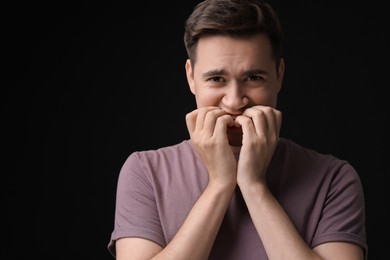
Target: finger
[(246, 124), (211, 118), (191, 121), (278, 119), (274, 118), (200, 118), (222, 123), (266, 119), (259, 118)]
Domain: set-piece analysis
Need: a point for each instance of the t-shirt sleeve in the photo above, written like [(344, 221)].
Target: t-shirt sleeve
[(136, 213), (343, 217)]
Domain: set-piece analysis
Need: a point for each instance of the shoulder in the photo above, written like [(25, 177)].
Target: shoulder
[(301, 157), (291, 149), (171, 152), (174, 156)]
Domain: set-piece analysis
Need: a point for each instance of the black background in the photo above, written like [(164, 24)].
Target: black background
[(86, 84)]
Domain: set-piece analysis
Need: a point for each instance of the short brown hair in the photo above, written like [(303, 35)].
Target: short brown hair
[(236, 18)]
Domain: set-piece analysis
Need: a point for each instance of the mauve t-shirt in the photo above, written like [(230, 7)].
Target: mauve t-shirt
[(321, 194)]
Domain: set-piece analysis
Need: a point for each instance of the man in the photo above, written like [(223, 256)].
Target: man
[(236, 190)]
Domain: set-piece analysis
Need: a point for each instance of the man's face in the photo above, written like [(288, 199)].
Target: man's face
[(234, 73)]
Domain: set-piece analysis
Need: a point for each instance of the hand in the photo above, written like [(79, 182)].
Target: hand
[(261, 127), (207, 128)]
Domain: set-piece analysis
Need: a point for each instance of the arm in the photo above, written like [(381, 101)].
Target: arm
[(279, 236), (194, 240)]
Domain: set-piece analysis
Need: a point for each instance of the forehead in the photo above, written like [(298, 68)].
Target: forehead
[(255, 50)]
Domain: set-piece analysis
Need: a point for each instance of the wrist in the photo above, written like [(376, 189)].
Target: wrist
[(224, 186), (253, 187)]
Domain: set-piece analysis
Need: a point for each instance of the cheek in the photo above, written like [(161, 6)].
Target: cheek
[(263, 97), (208, 98)]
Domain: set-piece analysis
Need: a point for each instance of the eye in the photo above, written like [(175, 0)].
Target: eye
[(255, 78), (215, 79)]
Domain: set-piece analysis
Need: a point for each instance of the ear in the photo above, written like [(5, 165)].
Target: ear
[(190, 76), (280, 74)]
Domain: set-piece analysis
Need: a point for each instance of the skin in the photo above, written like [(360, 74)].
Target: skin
[(235, 83)]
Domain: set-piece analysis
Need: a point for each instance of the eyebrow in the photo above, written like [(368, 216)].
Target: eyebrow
[(212, 73), (222, 72), (255, 71)]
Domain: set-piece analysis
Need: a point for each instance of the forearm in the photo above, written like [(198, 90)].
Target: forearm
[(278, 234), (195, 238)]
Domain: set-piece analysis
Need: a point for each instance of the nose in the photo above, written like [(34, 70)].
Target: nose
[(235, 96)]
